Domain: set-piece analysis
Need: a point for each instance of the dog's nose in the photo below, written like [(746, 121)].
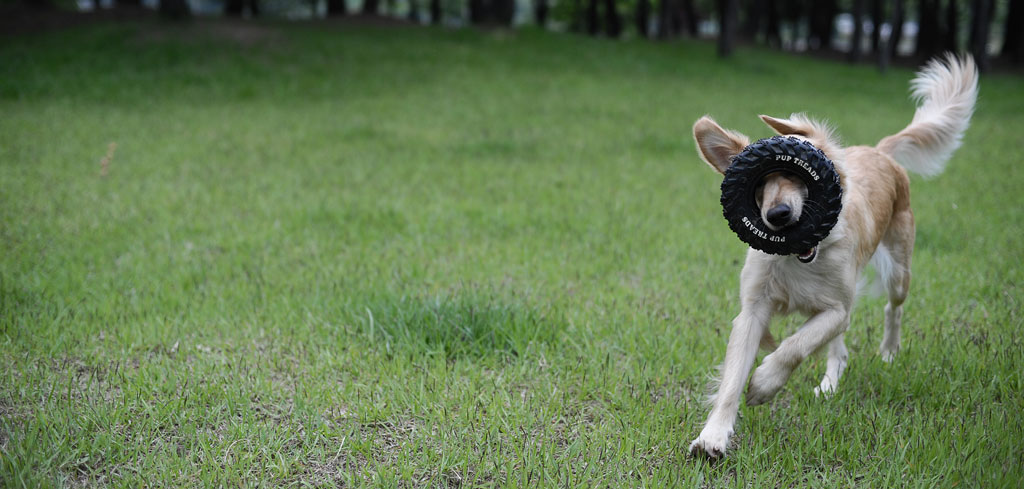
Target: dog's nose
[(779, 215)]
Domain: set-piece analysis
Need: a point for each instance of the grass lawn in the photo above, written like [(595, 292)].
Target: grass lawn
[(357, 256)]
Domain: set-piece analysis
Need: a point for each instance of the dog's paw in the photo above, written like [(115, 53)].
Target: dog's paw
[(824, 390), (827, 387), (765, 383), (888, 355), (711, 443)]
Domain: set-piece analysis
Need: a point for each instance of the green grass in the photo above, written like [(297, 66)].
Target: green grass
[(360, 256)]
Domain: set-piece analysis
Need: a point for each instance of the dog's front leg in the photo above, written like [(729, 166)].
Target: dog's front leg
[(776, 367), (747, 330)]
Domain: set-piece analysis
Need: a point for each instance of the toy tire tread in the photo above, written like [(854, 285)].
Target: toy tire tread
[(821, 209)]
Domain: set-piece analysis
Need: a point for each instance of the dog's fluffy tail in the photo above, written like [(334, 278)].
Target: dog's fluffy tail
[(945, 91)]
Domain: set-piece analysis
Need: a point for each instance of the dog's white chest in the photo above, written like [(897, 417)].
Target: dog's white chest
[(805, 287)]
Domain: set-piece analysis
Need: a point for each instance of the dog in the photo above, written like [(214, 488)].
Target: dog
[(876, 225)]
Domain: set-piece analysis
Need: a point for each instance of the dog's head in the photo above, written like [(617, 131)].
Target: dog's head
[(780, 196)]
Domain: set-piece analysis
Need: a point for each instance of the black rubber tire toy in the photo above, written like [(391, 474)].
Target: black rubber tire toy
[(799, 158)]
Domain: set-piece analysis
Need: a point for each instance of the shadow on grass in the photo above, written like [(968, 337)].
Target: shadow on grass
[(463, 324)]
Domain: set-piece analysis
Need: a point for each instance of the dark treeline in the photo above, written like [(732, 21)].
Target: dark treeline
[(860, 30), (875, 30)]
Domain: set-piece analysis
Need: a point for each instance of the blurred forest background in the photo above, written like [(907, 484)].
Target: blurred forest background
[(875, 31)]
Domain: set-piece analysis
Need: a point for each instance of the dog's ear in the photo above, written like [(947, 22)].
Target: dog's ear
[(819, 133), (717, 146), (786, 127)]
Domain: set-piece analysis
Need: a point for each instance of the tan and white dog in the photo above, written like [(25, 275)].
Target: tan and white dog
[(876, 225)]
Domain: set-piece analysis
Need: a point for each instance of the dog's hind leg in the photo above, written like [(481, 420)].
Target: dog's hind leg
[(837, 356), (893, 264)]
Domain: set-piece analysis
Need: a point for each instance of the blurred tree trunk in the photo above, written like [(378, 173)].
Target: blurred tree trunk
[(928, 33), (476, 11), (576, 16), (858, 31), (792, 11), (414, 10), (372, 7), (727, 16), (435, 12), (174, 9), (336, 8), (234, 8), (540, 12), (751, 24), (896, 35), (500, 12), (675, 16), (690, 18), (665, 8), (1013, 43), (822, 19), (981, 11), (612, 19), (951, 38), (876, 24), (505, 11), (643, 18), (773, 30), (592, 25), (47, 4)]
